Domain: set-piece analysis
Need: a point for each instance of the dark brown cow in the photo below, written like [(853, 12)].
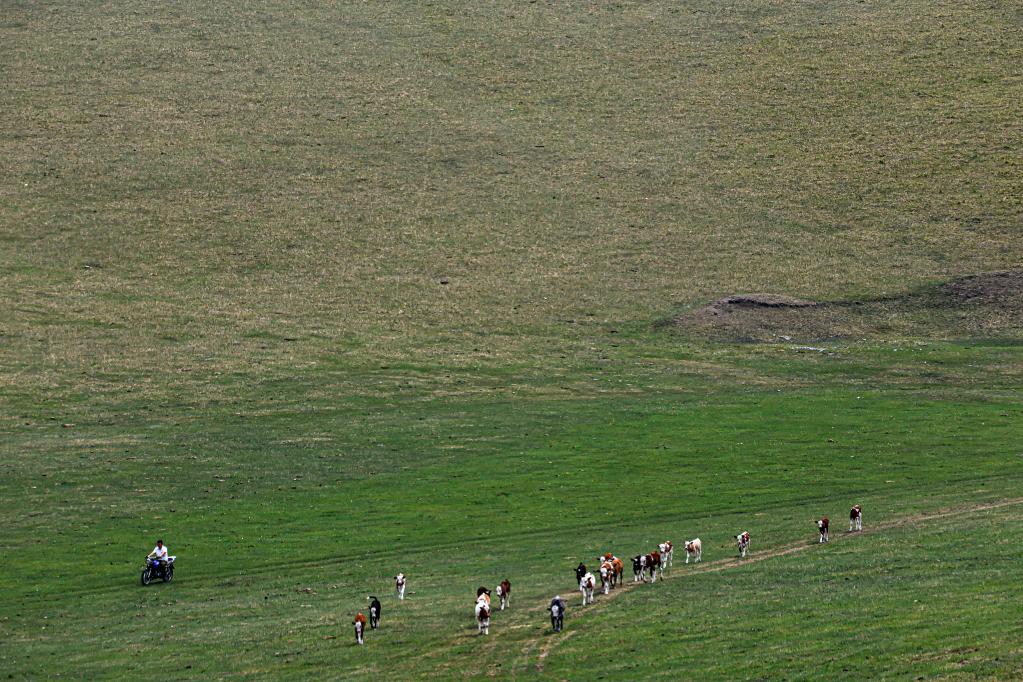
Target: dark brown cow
[(822, 528), (653, 565), (504, 593), (855, 518)]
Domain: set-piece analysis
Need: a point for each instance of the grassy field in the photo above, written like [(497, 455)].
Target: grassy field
[(322, 292)]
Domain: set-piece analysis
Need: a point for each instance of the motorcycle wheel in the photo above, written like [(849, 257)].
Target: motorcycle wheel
[(147, 576), (168, 574)]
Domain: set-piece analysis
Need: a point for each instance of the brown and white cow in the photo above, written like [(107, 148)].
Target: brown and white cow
[(399, 585), (617, 567), (483, 615), (504, 593), (654, 565), (855, 518), (586, 585), (822, 528), (667, 553), (743, 541), (607, 576), (360, 626), (694, 549)]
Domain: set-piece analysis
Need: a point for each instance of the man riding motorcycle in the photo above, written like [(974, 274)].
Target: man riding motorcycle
[(160, 554)]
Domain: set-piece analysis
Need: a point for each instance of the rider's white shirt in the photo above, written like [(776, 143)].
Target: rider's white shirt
[(160, 552)]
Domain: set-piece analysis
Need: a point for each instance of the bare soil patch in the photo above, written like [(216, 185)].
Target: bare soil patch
[(984, 305)]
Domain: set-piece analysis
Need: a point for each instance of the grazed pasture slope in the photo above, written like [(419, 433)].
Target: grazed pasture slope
[(320, 292)]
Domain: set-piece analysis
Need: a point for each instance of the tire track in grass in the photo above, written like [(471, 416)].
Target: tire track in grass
[(735, 562)]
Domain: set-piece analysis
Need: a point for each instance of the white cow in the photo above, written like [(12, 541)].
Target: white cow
[(694, 549), (399, 585), (667, 554), (586, 585)]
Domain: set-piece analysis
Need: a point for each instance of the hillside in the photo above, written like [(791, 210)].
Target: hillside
[(322, 292)]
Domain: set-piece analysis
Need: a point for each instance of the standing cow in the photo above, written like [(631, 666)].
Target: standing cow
[(855, 518), (694, 548), (580, 571), (743, 541), (504, 593), (822, 528), (374, 612), (399, 585)]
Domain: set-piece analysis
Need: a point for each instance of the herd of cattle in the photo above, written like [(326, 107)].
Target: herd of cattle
[(645, 568)]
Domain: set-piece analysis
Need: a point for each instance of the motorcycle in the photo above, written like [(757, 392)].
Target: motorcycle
[(153, 569)]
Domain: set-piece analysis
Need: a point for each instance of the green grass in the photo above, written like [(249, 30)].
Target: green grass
[(455, 493), (325, 292)]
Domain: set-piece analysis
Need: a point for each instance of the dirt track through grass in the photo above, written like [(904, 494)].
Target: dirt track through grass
[(734, 562)]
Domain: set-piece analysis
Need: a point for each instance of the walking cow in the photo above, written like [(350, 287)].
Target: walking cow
[(374, 612), (654, 565), (694, 548), (504, 593), (586, 585), (667, 553), (360, 626), (483, 612), (743, 540), (399, 585), (638, 564), (855, 518), (607, 573), (822, 528)]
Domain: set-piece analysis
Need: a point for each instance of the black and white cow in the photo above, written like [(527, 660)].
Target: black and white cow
[(638, 564), (374, 612)]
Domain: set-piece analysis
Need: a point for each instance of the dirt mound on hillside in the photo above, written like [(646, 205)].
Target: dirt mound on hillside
[(989, 304), (1004, 289)]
